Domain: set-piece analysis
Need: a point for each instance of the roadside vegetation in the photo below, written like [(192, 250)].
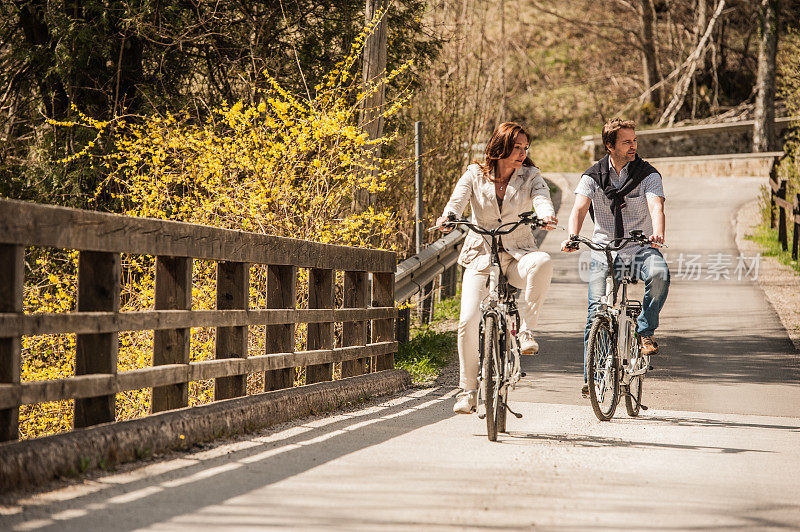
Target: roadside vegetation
[(789, 169), (434, 345), (767, 238)]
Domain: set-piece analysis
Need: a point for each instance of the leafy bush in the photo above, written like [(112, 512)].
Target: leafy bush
[(282, 165)]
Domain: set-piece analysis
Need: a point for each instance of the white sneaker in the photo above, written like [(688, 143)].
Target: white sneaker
[(527, 344), (466, 402)]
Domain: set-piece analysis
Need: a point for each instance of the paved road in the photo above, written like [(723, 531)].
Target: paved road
[(719, 447)]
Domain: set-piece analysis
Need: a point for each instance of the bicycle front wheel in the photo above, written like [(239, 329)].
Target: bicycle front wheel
[(603, 374), (491, 375)]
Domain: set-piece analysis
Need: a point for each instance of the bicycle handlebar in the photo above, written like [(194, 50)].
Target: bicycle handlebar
[(636, 237), (526, 218)]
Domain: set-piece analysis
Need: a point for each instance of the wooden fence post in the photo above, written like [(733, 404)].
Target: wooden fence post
[(12, 278), (449, 281), (281, 293), (403, 326), (425, 306), (320, 335), (796, 230), (354, 332), (171, 346), (98, 290), (233, 292), (383, 330), (782, 217), (773, 182)]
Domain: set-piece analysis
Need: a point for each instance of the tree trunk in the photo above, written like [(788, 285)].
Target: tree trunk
[(701, 21), (649, 57), (764, 128), (41, 58), (373, 73)]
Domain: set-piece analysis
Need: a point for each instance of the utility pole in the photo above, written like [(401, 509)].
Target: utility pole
[(503, 53), (419, 207)]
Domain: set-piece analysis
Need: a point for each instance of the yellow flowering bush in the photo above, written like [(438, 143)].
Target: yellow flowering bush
[(281, 164)]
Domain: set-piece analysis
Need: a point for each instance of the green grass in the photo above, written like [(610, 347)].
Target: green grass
[(559, 155), (426, 354), (430, 349), (767, 238), (448, 309)]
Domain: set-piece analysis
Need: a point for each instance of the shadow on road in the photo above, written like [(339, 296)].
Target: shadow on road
[(256, 462), (689, 356), (700, 422), (600, 441)]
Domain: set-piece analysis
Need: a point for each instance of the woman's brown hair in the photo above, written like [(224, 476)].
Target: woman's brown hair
[(500, 146)]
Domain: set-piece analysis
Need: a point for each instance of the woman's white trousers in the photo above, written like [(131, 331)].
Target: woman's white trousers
[(531, 274)]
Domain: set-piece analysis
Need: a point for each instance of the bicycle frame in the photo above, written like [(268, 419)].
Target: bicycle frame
[(501, 305), (626, 361)]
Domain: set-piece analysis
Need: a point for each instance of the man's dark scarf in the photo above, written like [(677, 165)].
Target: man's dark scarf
[(638, 169)]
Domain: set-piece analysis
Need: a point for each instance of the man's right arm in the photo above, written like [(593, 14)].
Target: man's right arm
[(576, 218)]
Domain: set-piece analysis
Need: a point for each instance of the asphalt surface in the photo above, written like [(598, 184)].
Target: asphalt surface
[(719, 447)]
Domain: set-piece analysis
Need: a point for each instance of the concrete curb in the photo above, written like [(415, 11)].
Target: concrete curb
[(27, 463)]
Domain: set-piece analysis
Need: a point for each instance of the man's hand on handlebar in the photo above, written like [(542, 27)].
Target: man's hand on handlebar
[(551, 222), (569, 245), (656, 241)]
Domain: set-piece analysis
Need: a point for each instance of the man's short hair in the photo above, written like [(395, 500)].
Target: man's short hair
[(611, 128)]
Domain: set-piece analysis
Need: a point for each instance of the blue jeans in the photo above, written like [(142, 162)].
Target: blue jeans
[(649, 266)]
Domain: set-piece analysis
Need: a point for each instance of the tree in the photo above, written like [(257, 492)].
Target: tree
[(764, 128), (649, 52)]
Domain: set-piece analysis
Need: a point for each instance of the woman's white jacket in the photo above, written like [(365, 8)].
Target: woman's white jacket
[(525, 189)]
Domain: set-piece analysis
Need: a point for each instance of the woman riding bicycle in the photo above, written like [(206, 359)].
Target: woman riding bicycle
[(498, 191)]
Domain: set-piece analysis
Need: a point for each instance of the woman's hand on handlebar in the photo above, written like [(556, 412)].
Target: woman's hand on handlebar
[(441, 224)]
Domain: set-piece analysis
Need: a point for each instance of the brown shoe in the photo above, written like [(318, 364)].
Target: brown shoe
[(648, 346)]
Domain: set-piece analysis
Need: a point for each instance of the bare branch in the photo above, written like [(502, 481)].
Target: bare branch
[(578, 23), (679, 94)]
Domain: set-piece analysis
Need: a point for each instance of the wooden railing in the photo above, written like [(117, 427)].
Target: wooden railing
[(778, 200), (102, 238)]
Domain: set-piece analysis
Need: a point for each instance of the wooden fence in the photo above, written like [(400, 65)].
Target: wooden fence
[(102, 238), (778, 200)]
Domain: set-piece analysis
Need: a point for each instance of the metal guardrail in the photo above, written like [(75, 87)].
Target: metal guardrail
[(417, 271)]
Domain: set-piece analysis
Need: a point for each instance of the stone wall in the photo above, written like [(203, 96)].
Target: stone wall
[(710, 139), (725, 165)]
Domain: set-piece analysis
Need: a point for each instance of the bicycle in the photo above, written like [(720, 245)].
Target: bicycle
[(498, 344), (616, 367)]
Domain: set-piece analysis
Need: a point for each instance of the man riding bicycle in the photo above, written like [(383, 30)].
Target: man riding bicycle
[(624, 193)]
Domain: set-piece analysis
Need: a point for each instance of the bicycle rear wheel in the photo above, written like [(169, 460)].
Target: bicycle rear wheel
[(501, 410), (603, 374), (491, 375), (634, 396)]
